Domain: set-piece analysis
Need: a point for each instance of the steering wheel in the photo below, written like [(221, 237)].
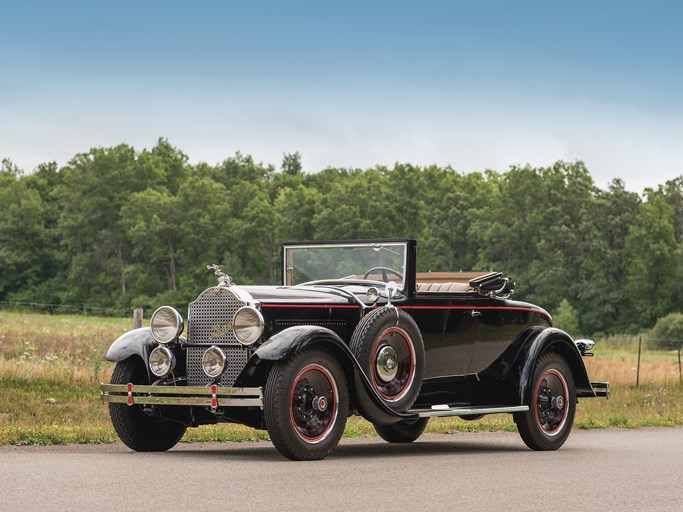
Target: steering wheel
[(385, 273)]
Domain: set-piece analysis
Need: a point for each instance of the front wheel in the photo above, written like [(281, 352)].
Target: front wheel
[(405, 431), (306, 403), (547, 423), (138, 431)]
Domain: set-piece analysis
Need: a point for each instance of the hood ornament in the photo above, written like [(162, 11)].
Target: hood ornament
[(223, 278)]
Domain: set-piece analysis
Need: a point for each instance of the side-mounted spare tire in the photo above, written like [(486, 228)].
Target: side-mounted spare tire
[(388, 345)]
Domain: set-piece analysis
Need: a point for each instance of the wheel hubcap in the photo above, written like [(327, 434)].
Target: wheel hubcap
[(319, 403), (387, 364)]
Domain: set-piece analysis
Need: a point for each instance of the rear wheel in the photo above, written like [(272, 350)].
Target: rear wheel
[(138, 431), (405, 431), (548, 422), (306, 404)]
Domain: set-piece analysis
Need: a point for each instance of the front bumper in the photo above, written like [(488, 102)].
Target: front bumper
[(213, 397)]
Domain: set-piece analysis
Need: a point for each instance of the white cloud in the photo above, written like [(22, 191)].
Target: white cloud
[(469, 132)]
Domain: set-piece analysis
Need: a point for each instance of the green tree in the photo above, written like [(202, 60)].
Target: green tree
[(653, 261), (24, 258), (601, 293), (567, 319)]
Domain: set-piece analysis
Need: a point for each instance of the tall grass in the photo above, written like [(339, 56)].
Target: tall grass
[(51, 368)]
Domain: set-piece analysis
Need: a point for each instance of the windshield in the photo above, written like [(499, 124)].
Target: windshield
[(345, 262)]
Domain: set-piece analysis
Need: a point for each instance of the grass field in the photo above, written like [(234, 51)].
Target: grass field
[(51, 368)]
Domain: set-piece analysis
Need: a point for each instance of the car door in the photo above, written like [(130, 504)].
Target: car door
[(498, 326), (448, 326)]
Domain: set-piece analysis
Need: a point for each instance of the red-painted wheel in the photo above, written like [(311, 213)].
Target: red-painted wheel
[(389, 348), (548, 422), (306, 405), (314, 407)]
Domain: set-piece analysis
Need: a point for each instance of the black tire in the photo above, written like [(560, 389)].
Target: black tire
[(552, 405), (405, 431), (300, 425), (394, 328), (136, 430)]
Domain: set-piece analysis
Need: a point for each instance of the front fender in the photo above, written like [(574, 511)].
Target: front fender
[(294, 339), (560, 342), (136, 342)]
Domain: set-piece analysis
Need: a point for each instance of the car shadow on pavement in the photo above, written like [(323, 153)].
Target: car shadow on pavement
[(426, 448), (349, 449)]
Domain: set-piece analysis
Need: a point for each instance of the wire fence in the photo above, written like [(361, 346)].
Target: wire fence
[(673, 346), (64, 309)]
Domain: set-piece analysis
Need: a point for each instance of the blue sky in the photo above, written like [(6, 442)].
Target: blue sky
[(472, 84)]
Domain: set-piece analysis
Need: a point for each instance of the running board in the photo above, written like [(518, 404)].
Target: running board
[(477, 410)]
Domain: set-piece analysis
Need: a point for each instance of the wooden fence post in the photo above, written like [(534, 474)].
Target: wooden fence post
[(640, 344), (137, 318)]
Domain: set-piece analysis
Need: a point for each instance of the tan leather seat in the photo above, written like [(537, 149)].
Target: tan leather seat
[(444, 287)]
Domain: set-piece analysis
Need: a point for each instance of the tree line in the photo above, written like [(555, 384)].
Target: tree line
[(116, 227)]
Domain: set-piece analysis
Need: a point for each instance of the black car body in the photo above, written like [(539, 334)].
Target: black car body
[(353, 329)]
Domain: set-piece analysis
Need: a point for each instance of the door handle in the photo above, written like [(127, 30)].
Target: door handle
[(474, 313)]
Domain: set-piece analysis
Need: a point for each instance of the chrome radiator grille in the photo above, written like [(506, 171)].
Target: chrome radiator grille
[(236, 356), (209, 323)]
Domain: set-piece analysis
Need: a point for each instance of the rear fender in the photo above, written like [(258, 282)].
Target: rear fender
[(558, 341), (294, 339)]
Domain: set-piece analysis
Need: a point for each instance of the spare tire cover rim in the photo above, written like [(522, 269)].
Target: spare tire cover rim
[(404, 373)]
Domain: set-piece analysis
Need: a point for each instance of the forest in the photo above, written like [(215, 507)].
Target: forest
[(121, 228)]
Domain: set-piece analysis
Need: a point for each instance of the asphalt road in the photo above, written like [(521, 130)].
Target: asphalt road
[(597, 470)]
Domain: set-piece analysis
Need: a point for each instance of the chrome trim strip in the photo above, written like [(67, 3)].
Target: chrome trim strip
[(181, 395), (187, 401), (182, 390), (467, 411)]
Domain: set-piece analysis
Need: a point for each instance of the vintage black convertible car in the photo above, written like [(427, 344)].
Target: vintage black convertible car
[(354, 329)]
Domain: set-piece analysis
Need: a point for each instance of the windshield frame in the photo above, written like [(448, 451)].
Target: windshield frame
[(408, 246)]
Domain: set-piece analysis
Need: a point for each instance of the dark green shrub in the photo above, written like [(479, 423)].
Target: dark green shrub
[(668, 332)]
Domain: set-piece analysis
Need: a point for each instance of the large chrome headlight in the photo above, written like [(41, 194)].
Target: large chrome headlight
[(213, 362), (161, 361), (247, 325), (167, 324)]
